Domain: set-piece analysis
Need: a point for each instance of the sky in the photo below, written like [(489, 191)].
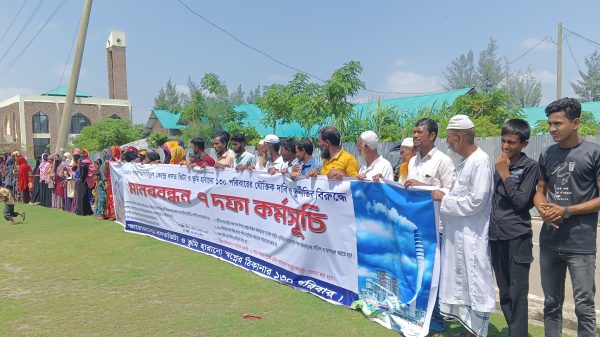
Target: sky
[(403, 46)]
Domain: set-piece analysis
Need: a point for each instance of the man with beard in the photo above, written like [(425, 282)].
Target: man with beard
[(275, 162), (244, 160), (337, 162), (372, 165), (467, 290), (225, 157)]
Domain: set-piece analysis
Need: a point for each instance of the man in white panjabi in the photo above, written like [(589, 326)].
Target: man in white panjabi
[(467, 291), (372, 165)]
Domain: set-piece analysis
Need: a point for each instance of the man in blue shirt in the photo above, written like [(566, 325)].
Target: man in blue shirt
[(304, 150)]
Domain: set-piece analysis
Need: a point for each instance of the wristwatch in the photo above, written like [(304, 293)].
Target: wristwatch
[(566, 213)]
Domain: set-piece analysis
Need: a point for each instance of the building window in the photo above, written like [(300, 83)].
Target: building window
[(40, 145), (78, 122), (114, 116), (40, 122)]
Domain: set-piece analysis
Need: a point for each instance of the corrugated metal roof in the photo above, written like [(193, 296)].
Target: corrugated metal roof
[(404, 104), (537, 113), (283, 130), (168, 119), (62, 91), (413, 103)]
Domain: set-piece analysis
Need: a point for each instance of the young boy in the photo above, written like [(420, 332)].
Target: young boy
[(510, 223), (9, 206)]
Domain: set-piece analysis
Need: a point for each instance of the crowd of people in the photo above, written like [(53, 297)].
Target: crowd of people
[(484, 204)]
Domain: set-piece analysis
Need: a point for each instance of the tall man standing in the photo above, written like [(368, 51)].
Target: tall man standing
[(430, 167), (225, 157), (510, 224), (567, 200), (467, 291)]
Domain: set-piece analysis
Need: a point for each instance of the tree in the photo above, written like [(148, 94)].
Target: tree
[(169, 98), (310, 104), (108, 132), (213, 85), (461, 72), (487, 110), (588, 87), (385, 122), (524, 90), (237, 96), (156, 139), (489, 68), (253, 95), (343, 84), (589, 125), (275, 105)]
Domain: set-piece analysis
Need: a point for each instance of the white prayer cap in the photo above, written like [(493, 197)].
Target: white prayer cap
[(369, 139), (261, 142), (460, 122), (408, 142), (272, 139)]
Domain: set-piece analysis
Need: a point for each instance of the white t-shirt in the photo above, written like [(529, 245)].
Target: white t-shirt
[(278, 164)]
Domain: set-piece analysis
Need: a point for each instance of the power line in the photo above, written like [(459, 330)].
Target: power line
[(36, 9), (571, 52), (69, 55), (16, 58), (547, 37), (272, 58), (583, 37), (13, 20)]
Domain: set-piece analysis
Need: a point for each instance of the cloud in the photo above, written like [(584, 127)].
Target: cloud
[(399, 62), (392, 214), (531, 42), (411, 82)]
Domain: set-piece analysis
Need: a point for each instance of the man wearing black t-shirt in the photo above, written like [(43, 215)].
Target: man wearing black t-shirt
[(567, 200), (510, 224)]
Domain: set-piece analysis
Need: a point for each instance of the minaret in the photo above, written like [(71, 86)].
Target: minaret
[(117, 69)]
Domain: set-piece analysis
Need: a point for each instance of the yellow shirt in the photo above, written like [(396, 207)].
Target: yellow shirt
[(343, 161)]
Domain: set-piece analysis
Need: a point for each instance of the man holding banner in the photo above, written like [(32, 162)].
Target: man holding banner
[(467, 291)]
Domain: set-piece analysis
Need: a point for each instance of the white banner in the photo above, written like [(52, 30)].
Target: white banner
[(299, 233)]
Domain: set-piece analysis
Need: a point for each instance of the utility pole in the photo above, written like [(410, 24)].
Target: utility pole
[(559, 62), (63, 131)]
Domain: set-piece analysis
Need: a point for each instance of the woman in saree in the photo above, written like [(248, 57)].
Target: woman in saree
[(84, 206), (45, 193), (68, 181), (115, 157), (35, 195), (58, 193), (23, 179)]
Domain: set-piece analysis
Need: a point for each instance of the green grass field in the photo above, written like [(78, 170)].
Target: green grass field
[(64, 275)]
